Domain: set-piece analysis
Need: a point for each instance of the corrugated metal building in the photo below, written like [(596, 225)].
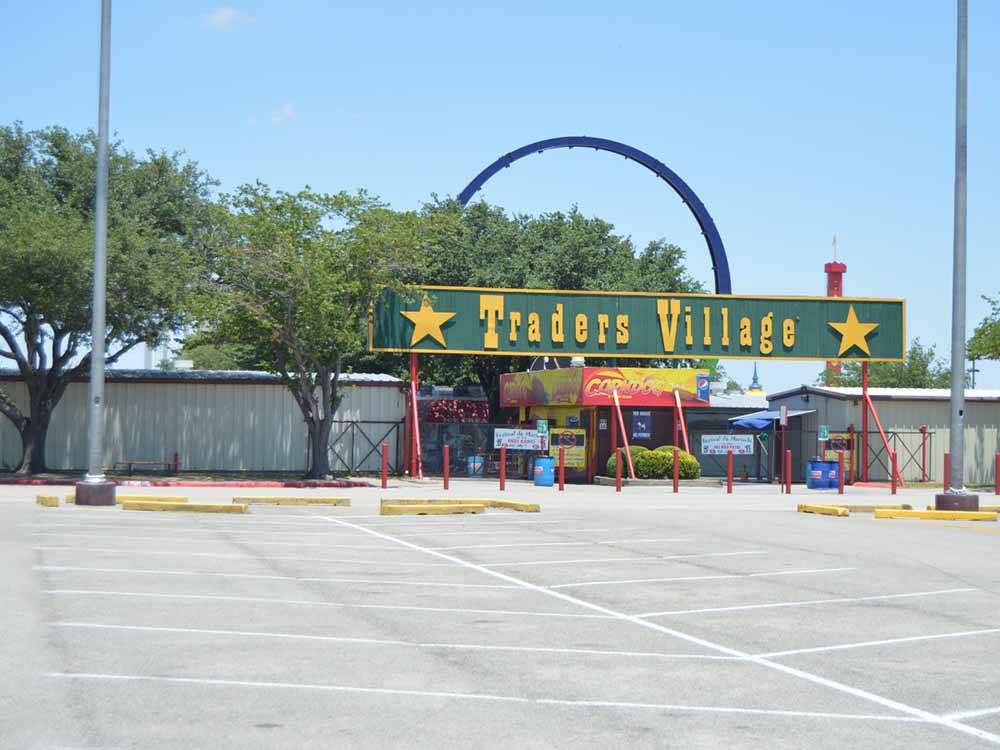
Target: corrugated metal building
[(903, 411), (215, 421)]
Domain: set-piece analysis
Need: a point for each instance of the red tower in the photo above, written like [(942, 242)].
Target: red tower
[(835, 271)]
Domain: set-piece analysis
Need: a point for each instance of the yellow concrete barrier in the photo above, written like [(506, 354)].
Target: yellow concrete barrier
[(188, 507), (824, 510), (47, 501), (430, 509), (488, 502), (290, 500), (119, 499), (939, 515), (982, 508), (867, 508)]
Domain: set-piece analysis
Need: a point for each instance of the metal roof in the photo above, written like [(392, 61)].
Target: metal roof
[(890, 394), (771, 415), (216, 376), (737, 401)]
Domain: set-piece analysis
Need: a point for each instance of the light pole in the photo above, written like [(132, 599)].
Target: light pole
[(956, 497), (95, 489)]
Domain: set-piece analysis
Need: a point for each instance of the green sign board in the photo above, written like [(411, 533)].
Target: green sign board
[(472, 320), (824, 432)]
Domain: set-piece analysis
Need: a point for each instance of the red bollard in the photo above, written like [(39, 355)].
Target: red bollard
[(447, 464), (947, 471), (996, 476), (385, 465), (894, 473), (503, 468), (562, 469), (618, 469), (840, 472), (788, 472), (729, 472), (677, 470)]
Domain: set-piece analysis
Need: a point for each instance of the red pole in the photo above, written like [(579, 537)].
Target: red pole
[(947, 471), (996, 476), (854, 452), (677, 470), (788, 471), (447, 464), (781, 459), (177, 463), (385, 465), (729, 472), (618, 469), (894, 473), (840, 472), (864, 421), (562, 469), (614, 431), (677, 426), (503, 468), (923, 453)]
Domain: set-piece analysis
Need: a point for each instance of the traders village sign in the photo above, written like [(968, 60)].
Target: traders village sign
[(471, 320)]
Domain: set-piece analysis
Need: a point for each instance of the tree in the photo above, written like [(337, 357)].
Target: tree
[(160, 226), (985, 341), (921, 369), (295, 285)]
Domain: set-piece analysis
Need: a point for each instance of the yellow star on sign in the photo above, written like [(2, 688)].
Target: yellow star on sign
[(426, 322), (853, 332)]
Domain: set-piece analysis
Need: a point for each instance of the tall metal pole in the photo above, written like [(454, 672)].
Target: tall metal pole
[(95, 490), (957, 491)]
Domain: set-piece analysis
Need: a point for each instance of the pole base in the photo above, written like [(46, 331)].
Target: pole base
[(95, 493), (956, 501)]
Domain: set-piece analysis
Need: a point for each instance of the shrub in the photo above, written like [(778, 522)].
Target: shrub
[(690, 468), (637, 450), (652, 464)]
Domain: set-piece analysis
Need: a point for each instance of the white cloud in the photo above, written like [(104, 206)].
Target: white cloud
[(284, 114), (226, 18)]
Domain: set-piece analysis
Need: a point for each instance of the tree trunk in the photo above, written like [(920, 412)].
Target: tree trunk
[(319, 441), (33, 444)]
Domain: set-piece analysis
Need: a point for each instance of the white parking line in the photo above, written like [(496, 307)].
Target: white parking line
[(621, 616), (308, 603), (476, 696), (883, 642), (214, 574), (718, 577), (806, 603), (974, 714), (388, 642), (246, 557), (214, 540), (534, 544)]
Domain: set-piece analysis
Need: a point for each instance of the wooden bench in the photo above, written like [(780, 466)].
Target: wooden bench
[(129, 464)]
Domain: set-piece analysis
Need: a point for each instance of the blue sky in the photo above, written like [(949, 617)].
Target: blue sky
[(791, 120)]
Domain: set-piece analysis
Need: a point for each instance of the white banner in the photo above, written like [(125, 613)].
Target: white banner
[(720, 445), (519, 440)]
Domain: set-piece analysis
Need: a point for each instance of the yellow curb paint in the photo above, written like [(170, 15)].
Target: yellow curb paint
[(824, 510), (431, 509), (515, 505), (290, 500), (939, 515), (864, 508), (47, 501), (488, 502), (188, 507)]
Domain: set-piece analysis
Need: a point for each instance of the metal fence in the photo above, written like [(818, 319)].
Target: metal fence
[(356, 446)]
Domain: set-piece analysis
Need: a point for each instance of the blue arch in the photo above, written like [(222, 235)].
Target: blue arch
[(720, 264)]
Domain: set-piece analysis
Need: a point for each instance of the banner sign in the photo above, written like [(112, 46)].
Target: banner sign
[(474, 320), (519, 440), (574, 441), (720, 445), (642, 425), (595, 386)]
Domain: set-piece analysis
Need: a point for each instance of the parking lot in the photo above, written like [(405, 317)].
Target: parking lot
[(644, 619)]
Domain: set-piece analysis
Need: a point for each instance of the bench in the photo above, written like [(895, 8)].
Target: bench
[(130, 464)]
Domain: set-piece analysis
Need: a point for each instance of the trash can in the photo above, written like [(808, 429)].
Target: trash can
[(816, 475), (832, 472), (545, 471), (474, 464)]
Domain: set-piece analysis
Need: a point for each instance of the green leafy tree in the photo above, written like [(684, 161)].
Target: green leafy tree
[(921, 369), (295, 285), (160, 228), (985, 341)]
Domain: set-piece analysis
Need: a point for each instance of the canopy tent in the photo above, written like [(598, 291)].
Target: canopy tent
[(760, 420)]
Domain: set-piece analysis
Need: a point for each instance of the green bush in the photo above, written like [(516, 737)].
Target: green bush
[(652, 464), (637, 450), (690, 468)]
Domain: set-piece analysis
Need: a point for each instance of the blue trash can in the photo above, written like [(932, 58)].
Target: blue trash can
[(816, 476), (475, 467), (545, 471), (832, 472)]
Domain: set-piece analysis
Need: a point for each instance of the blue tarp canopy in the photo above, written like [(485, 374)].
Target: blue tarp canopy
[(761, 420)]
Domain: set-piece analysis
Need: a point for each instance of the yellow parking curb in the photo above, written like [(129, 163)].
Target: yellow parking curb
[(430, 509), (867, 508), (824, 510), (982, 508), (119, 499), (939, 515), (291, 500), (189, 507), (488, 502), (47, 501)]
